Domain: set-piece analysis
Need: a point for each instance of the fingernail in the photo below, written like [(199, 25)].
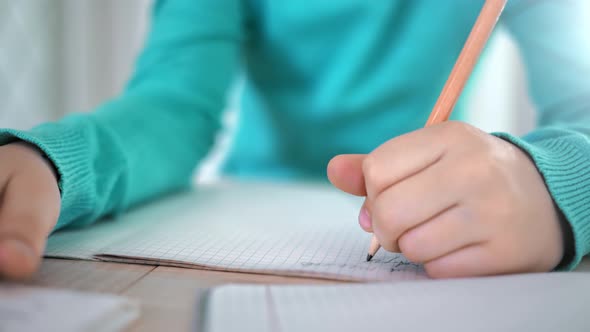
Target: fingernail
[(365, 218)]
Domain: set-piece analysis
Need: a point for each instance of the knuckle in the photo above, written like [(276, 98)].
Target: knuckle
[(454, 126), (461, 128), (460, 131), (454, 129), (390, 219), (370, 169), (410, 248), (384, 217)]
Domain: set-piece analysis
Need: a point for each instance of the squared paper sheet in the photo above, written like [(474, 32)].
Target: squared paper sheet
[(535, 302), (284, 229), (40, 309)]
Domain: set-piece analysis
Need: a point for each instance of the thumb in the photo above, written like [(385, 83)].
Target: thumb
[(345, 171)]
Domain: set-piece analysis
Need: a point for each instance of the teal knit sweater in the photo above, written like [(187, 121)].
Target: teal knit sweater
[(322, 78)]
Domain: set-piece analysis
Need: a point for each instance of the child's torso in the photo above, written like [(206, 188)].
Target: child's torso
[(331, 77)]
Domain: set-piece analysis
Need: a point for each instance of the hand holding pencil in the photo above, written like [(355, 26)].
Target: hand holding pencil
[(482, 29), (452, 197)]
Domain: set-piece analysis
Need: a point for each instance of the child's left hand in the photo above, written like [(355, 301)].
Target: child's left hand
[(463, 202)]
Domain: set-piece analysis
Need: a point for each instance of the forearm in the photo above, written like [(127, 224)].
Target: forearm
[(147, 141), (112, 159), (157, 144)]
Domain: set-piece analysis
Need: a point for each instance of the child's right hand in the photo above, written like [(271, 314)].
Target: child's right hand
[(29, 207)]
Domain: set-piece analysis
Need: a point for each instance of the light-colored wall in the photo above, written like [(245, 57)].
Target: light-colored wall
[(100, 40), (58, 56), (28, 66)]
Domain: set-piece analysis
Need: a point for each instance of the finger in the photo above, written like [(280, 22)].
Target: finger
[(474, 260), (345, 172), (412, 202), (26, 219), (365, 218), (17, 259), (449, 231), (402, 157)]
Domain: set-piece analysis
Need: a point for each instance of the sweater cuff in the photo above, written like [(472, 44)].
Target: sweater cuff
[(564, 167), (63, 143)]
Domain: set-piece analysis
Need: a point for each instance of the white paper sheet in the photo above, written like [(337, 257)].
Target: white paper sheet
[(535, 302), (24, 309), (285, 229)]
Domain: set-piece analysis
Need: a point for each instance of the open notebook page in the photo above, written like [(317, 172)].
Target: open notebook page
[(534, 302), (285, 229), (40, 309)]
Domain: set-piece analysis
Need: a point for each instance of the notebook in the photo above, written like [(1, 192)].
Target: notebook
[(283, 229), (535, 302), (24, 309)]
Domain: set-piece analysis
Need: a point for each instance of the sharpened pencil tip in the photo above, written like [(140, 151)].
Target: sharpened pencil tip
[(369, 257)]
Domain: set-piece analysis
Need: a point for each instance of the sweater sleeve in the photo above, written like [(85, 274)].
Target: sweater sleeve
[(554, 40), (147, 141)]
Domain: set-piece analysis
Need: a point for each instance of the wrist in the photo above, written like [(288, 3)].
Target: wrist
[(33, 151), (565, 252)]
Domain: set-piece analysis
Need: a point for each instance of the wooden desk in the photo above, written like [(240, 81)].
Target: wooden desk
[(166, 294)]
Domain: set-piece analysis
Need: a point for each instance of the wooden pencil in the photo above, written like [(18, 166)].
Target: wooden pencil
[(478, 37)]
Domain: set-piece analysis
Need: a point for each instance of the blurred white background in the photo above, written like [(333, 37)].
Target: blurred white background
[(58, 56)]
